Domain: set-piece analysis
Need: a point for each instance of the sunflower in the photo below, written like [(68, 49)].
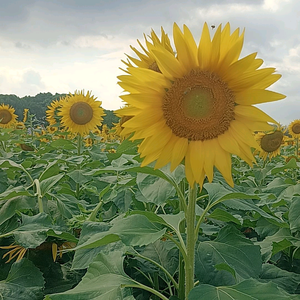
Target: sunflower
[(81, 113), (270, 143), (147, 59), (7, 116), (198, 108), (25, 114), (294, 129), (51, 113)]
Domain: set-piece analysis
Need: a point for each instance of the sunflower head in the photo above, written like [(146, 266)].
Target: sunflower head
[(270, 144), (147, 59), (198, 107), (52, 112), (8, 117), (81, 113), (294, 129)]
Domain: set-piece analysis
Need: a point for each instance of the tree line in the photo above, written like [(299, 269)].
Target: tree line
[(37, 106)]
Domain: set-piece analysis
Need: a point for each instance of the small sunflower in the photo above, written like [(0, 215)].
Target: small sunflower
[(270, 143), (294, 129), (52, 112), (25, 114), (198, 108), (20, 125), (81, 113), (7, 116)]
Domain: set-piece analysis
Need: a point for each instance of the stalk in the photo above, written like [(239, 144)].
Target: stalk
[(39, 195), (78, 153), (190, 240)]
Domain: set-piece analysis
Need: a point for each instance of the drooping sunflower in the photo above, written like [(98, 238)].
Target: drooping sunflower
[(7, 116), (270, 143), (52, 112), (198, 108), (81, 113), (294, 129)]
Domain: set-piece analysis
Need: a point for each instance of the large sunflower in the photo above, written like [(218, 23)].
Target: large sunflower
[(81, 113), (199, 108), (294, 129), (7, 116)]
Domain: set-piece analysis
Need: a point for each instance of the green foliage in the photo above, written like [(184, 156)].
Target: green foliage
[(99, 226)]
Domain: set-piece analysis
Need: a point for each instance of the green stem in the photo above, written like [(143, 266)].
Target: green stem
[(201, 220), (190, 240), (181, 278), (95, 211), (146, 288), (39, 195), (297, 146), (79, 139)]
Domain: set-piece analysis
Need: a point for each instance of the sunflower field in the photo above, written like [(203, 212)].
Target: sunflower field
[(194, 194)]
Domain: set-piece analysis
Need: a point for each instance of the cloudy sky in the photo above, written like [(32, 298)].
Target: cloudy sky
[(67, 45)]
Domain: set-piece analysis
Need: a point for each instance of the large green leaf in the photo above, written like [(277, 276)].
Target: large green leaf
[(134, 230), (294, 214), (162, 252), (250, 289), (282, 239), (48, 183), (229, 248), (33, 230), (83, 257), (14, 204), (24, 282), (288, 281), (154, 189), (102, 281), (217, 193)]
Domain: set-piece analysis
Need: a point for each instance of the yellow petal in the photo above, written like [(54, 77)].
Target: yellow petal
[(168, 64), (209, 147), (185, 55), (205, 48), (243, 133), (223, 164), (253, 113), (256, 96), (178, 152), (165, 156), (197, 159)]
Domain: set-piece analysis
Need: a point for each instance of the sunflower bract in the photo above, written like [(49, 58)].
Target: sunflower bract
[(197, 106)]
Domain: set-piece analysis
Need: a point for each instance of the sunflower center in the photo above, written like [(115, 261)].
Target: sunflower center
[(199, 106), (81, 113), (271, 142), (5, 116), (296, 128)]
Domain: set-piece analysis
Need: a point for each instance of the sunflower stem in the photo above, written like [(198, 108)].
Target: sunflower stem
[(79, 139), (297, 146), (39, 195), (190, 240)]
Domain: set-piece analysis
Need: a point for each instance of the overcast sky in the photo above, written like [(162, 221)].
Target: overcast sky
[(64, 45)]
